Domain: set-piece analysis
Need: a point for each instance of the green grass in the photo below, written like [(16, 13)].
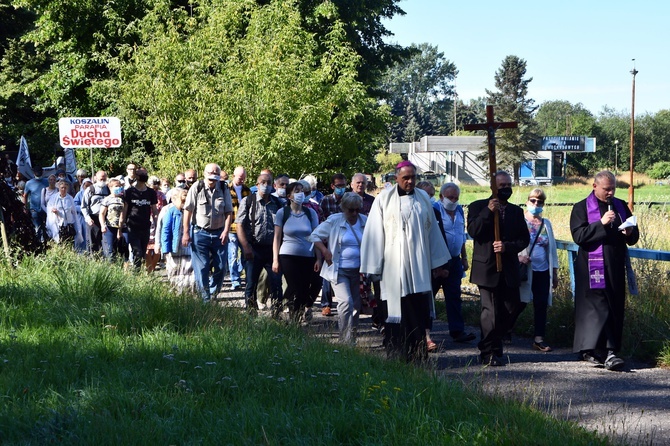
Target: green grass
[(90, 354)]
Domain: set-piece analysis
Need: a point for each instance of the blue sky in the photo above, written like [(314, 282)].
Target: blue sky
[(578, 51)]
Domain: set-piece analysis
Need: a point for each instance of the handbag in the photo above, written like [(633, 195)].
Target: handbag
[(523, 267), (67, 232)]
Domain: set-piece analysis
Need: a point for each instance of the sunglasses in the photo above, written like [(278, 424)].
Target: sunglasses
[(536, 201)]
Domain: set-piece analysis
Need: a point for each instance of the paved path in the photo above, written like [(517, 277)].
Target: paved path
[(632, 406)]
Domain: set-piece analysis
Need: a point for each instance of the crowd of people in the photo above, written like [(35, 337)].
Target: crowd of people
[(393, 253)]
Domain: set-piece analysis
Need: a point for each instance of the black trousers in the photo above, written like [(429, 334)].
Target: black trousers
[(407, 340), (499, 308), (95, 234)]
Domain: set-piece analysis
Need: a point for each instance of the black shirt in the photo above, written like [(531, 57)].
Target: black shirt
[(139, 207)]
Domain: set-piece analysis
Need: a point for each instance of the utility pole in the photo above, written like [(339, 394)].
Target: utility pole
[(631, 193), (616, 157)]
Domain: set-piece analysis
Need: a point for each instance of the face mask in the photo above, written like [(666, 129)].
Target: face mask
[(263, 189), (118, 190), (101, 183), (142, 178), (298, 197), (535, 210), (281, 192), (504, 193), (165, 188), (340, 191), (214, 177), (312, 194), (189, 183), (449, 205), (180, 183)]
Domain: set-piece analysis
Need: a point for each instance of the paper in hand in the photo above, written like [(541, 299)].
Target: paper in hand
[(629, 223)]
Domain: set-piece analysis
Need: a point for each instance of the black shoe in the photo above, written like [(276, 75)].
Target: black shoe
[(464, 337), (613, 362), (541, 346), (507, 338), (491, 360), (590, 356)]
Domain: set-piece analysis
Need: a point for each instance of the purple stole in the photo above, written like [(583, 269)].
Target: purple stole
[(596, 259)]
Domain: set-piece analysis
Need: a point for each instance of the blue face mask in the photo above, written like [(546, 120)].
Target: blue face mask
[(340, 190), (535, 210), (118, 190)]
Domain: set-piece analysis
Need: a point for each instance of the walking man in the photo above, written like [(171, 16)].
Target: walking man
[(207, 218), (402, 243), (90, 209), (600, 272), (238, 191), (499, 291)]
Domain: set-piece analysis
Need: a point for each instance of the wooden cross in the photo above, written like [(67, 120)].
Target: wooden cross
[(490, 126)]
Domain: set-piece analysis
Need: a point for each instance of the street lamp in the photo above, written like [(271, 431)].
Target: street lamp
[(616, 157)]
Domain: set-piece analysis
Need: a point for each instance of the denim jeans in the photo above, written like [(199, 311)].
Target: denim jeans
[(451, 287), (39, 218), (262, 259), (234, 260), (209, 258), (110, 243)]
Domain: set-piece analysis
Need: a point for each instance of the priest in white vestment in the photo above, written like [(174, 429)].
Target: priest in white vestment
[(403, 245)]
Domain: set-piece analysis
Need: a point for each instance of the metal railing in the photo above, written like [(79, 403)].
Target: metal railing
[(635, 253)]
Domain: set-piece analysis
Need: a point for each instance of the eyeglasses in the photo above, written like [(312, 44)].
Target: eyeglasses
[(536, 201)]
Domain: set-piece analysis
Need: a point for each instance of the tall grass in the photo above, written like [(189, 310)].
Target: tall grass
[(91, 354)]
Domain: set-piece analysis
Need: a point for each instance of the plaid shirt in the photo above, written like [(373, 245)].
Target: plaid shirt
[(330, 205)]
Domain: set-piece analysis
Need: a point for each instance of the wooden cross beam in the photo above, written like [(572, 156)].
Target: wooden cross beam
[(491, 126)]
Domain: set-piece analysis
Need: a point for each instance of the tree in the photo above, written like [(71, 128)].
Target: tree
[(71, 59), (238, 83), (419, 91), (561, 118), (511, 104)]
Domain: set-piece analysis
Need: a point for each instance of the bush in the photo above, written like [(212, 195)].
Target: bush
[(660, 170)]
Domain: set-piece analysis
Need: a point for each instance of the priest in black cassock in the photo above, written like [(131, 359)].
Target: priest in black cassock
[(600, 272)]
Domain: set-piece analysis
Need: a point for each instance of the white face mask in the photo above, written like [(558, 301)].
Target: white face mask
[(449, 205), (214, 177), (263, 189), (281, 192), (298, 197)]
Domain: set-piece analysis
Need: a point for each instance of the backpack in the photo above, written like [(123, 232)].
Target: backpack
[(252, 212)]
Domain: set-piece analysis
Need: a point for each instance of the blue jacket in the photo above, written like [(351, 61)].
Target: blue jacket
[(171, 231)]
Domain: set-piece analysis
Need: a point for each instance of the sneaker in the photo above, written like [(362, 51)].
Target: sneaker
[(541, 346), (464, 337), (325, 311), (613, 362), (308, 314)]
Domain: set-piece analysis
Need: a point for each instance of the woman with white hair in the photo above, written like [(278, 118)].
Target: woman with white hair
[(343, 233), (62, 222)]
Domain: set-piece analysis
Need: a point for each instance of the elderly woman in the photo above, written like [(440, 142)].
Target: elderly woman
[(292, 253), (343, 232), (541, 259), (177, 257), (62, 221)]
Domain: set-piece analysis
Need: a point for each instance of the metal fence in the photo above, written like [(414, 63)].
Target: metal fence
[(635, 253)]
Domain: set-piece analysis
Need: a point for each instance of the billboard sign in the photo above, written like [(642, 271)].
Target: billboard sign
[(90, 132)]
